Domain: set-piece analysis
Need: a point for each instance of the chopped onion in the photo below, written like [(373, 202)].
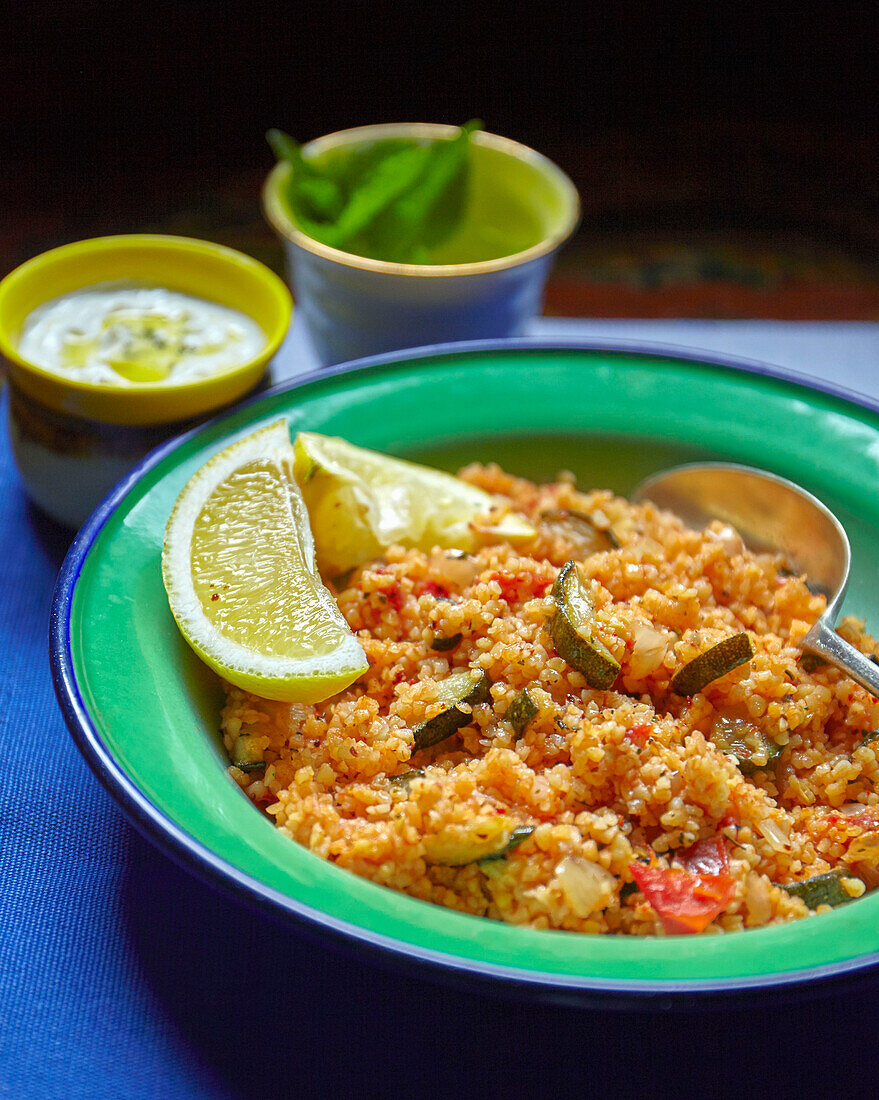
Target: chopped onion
[(454, 568), (868, 873), (757, 901), (865, 847), (600, 520), (730, 539), (586, 886), (651, 646), (774, 833)]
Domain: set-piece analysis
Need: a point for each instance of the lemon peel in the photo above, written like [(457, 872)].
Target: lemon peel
[(361, 502), (239, 567)]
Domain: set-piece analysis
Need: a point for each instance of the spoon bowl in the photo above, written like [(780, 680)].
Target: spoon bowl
[(772, 515)]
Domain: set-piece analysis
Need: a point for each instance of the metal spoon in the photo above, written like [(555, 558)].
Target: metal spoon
[(776, 516)]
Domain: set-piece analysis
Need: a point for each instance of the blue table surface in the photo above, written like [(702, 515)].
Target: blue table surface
[(123, 975)]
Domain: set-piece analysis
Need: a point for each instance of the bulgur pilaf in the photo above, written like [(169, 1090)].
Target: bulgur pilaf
[(559, 805)]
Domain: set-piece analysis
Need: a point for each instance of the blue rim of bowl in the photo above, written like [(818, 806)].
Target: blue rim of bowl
[(193, 855)]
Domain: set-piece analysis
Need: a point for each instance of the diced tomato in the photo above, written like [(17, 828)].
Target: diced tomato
[(639, 734), (510, 583), (520, 586), (705, 857), (431, 588), (683, 902), (864, 820), (390, 589)]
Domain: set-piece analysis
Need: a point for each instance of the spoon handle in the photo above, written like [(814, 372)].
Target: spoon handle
[(823, 640)]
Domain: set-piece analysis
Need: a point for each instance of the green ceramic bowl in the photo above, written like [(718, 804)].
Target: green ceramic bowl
[(145, 711)]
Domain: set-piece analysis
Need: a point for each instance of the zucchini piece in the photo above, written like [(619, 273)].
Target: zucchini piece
[(247, 754), (745, 741), (458, 844), (870, 738), (443, 645), (826, 889), (810, 662), (485, 840), (405, 778), (521, 711), (340, 580), (509, 528), (465, 685), (520, 833), (578, 529), (715, 662), (571, 630)]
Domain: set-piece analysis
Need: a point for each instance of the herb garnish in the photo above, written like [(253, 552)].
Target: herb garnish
[(393, 200)]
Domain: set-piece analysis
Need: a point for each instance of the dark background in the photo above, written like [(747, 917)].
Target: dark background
[(711, 149)]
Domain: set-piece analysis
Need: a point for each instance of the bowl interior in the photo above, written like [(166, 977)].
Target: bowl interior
[(519, 201), (145, 710), (193, 267)]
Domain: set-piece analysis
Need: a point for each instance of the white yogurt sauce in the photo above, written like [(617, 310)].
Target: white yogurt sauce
[(126, 333)]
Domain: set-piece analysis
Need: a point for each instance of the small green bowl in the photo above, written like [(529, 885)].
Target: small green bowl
[(145, 712)]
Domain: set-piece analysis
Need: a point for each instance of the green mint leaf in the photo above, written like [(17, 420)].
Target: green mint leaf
[(388, 179), (430, 211), (313, 198), (319, 197), (284, 147), (392, 200)]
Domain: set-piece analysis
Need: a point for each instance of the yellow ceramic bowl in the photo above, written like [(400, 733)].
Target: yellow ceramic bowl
[(179, 263)]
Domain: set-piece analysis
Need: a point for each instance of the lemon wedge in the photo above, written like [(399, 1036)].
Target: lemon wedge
[(361, 502), (239, 568)]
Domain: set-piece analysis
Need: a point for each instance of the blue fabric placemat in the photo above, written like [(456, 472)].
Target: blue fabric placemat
[(122, 975)]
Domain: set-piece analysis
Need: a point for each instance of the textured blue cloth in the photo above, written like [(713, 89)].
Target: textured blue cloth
[(122, 975)]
